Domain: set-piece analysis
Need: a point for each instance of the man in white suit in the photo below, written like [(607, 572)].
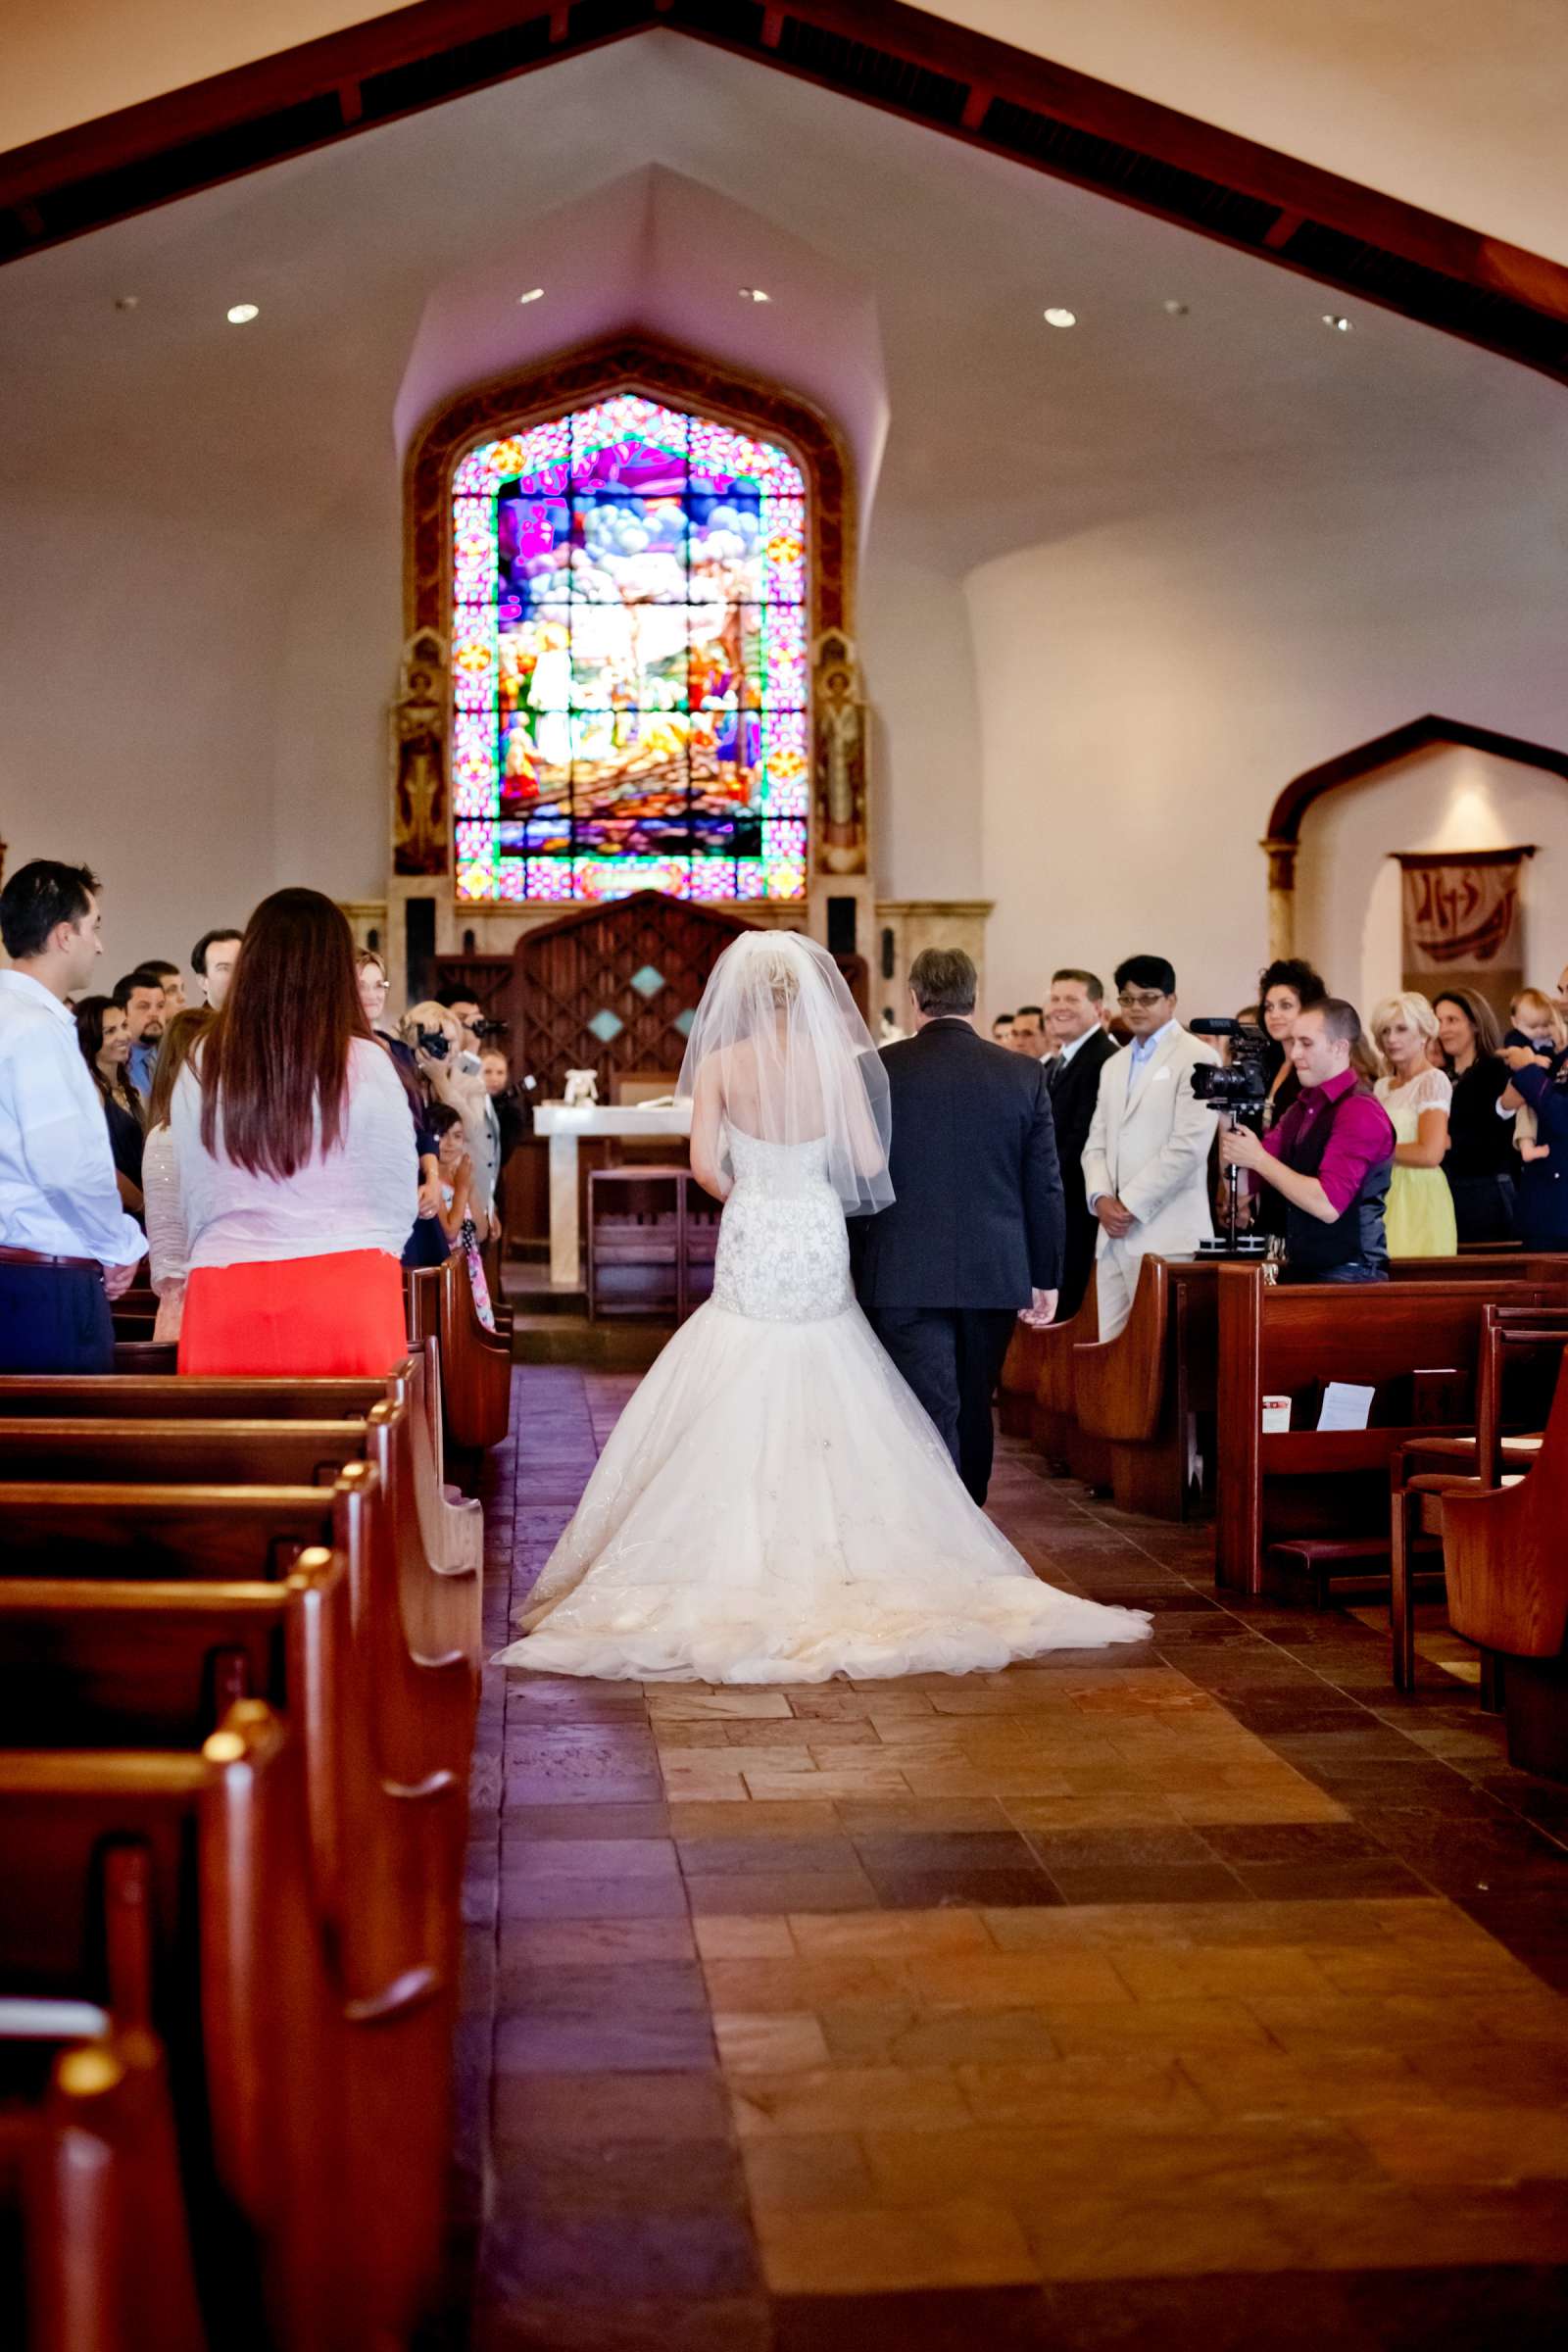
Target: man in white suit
[(1146, 1163)]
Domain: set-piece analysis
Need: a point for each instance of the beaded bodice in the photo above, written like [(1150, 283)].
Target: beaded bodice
[(783, 1251)]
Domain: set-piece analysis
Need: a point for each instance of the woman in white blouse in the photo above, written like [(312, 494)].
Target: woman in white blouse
[(296, 1162), (1417, 1097), (163, 1214)]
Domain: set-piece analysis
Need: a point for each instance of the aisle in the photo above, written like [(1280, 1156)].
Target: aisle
[(1072, 2005)]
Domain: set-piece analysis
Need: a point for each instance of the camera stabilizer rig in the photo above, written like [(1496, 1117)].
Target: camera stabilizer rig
[(1238, 1091)]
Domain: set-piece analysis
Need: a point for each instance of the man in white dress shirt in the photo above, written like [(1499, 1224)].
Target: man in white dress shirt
[(1146, 1163), (67, 1246)]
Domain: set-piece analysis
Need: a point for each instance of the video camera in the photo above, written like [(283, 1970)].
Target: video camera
[(1238, 1090)]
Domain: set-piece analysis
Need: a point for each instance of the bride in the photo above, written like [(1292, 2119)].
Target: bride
[(774, 1504)]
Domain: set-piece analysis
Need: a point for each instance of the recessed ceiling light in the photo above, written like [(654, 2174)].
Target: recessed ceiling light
[(243, 313), (1055, 317), (126, 302), (534, 294), (1174, 309), (1340, 326), (755, 294)]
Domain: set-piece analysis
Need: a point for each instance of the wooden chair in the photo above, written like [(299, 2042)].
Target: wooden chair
[(1313, 1504), (1506, 1569)]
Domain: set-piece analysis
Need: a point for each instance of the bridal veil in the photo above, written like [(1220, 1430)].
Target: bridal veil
[(779, 1048)]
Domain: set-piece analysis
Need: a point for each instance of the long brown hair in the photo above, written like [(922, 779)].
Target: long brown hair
[(89, 1015), (277, 1056), (179, 1035), (1481, 1017)]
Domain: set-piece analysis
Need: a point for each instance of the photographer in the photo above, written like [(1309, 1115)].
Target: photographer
[(1330, 1156), (452, 1074)]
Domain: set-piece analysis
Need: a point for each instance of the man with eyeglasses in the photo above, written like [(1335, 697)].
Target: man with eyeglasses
[(1146, 1163)]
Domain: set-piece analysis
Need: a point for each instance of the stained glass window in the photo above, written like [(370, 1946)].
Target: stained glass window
[(629, 660)]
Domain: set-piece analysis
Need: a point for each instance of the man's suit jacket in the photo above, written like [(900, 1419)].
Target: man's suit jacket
[(977, 1217), (1148, 1144), (1072, 1106)]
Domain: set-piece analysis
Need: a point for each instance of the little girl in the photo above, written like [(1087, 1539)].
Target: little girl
[(457, 1217)]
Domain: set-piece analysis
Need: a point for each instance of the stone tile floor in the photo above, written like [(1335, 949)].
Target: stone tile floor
[(1212, 1996)]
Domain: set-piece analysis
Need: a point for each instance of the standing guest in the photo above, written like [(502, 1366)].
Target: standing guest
[(465, 1011), (1146, 1163), (104, 1046), (1029, 1032), (1480, 1163), (213, 959), (166, 1250), (1417, 1098), (1330, 1156), (974, 1230), (296, 1160), (1537, 1089), (140, 998), (452, 1074), (425, 1245), (513, 1117), (171, 980), (1285, 988), (1535, 1020), (1072, 1076), (1001, 1029), (456, 1205), (67, 1245)]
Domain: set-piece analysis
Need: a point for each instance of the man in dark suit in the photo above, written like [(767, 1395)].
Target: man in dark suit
[(1082, 1047), (975, 1230)]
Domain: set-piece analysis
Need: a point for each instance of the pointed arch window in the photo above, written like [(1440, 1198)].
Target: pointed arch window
[(630, 606)]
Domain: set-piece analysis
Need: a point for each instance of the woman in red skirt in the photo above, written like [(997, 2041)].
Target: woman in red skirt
[(297, 1168)]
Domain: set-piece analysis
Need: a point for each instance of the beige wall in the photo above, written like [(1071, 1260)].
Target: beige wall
[(1449, 106), (1348, 884)]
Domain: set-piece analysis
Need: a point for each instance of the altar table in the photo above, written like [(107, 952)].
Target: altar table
[(567, 1126)]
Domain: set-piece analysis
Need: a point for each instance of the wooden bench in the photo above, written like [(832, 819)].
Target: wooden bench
[(475, 1364), (1506, 1568), (222, 1958), (1150, 1394), (1313, 1504), (1057, 1429)]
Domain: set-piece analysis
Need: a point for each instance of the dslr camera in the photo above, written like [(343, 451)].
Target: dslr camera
[(1241, 1084), (433, 1042)]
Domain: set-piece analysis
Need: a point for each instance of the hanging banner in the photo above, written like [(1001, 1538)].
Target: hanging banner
[(1462, 921)]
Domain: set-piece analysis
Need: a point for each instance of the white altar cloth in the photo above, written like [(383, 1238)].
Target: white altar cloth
[(565, 1128)]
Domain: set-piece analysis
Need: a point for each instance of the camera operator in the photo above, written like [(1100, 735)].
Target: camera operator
[(453, 1075), (1330, 1156)]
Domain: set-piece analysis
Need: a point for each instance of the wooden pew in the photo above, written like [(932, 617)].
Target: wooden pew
[(1510, 1412), (1150, 1394), (1314, 1502), (475, 1364), (1506, 1567), (224, 1960), (95, 1663), (1020, 1377), (92, 2209), (1057, 1430)]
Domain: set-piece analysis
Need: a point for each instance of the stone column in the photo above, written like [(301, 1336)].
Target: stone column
[(1281, 855), (917, 923)]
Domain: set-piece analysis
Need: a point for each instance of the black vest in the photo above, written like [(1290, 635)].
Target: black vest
[(1357, 1237)]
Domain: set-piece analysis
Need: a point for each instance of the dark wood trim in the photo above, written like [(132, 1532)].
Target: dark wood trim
[(1416, 735), (888, 54)]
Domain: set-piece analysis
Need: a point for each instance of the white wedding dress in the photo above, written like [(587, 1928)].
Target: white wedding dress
[(774, 1504)]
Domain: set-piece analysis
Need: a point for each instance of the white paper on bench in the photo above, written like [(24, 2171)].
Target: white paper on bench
[(1346, 1406)]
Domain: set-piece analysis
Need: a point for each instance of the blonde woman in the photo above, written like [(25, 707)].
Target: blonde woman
[(1417, 1097)]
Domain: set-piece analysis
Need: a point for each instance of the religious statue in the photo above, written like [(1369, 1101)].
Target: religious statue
[(418, 754), (839, 717)]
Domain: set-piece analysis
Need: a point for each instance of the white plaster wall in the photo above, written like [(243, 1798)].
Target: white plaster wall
[(918, 669), (138, 672), (1348, 884), (1147, 691)]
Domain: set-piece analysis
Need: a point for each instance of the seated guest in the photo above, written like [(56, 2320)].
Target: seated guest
[(1330, 1156), (1029, 1032), (1480, 1163), (1538, 1089), (425, 1245), (213, 959), (1001, 1029), (172, 981), (105, 1048), (1146, 1163), (1072, 1078), (164, 1216), (67, 1245), (296, 1161), (457, 1211), (140, 998), (1417, 1097)]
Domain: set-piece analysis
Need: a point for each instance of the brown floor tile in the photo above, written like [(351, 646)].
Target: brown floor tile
[(964, 2243)]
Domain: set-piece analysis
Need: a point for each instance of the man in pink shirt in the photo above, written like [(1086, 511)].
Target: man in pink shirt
[(1330, 1156)]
